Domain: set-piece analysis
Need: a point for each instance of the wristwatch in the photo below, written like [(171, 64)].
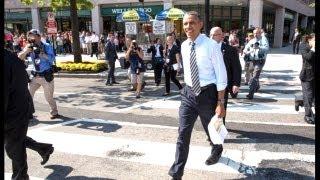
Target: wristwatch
[(221, 101)]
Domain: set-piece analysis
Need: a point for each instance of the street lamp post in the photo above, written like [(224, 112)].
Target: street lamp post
[(206, 16)]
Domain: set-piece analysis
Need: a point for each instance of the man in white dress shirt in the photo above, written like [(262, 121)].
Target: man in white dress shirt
[(94, 43), (206, 79)]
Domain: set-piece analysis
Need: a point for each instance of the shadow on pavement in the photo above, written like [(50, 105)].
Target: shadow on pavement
[(61, 172), (96, 126), (283, 169), (265, 137), (35, 121)]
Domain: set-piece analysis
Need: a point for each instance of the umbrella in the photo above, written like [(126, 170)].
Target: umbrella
[(133, 15), (172, 14)]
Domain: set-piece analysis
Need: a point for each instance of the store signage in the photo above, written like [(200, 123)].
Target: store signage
[(121, 10), (51, 24), (159, 27), (112, 11), (131, 27)]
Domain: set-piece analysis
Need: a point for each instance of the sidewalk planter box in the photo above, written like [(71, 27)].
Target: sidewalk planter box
[(87, 67)]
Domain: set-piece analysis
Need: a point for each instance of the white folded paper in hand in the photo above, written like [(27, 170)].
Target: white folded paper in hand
[(176, 65), (217, 130)]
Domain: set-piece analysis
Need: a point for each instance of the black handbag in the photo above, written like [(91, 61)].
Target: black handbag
[(48, 75)]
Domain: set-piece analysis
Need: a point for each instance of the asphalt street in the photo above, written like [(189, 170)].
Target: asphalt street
[(106, 133)]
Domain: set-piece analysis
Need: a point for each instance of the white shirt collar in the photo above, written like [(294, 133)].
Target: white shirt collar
[(198, 40)]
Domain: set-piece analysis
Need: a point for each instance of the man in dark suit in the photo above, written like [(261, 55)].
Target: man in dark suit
[(307, 76), (296, 41), (157, 59), (232, 63), (18, 108), (111, 56)]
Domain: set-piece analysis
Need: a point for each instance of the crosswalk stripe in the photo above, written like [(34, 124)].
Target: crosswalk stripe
[(236, 107), (156, 153), (7, 176)]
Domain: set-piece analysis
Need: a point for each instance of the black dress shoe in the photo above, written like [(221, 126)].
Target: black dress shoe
[(215, 155), (176, 178), (166, 94), (107, 83), (46, 155), (115, 83), (249, 96), (55, 116), (309, 120)]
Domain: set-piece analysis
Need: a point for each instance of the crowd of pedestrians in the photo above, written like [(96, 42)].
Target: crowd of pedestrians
[(211, 68)]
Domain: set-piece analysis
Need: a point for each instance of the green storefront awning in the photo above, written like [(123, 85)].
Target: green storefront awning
[(65, 13), (113, 11), (18, 15)]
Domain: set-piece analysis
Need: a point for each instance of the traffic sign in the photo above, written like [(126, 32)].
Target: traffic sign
[(51, 24)]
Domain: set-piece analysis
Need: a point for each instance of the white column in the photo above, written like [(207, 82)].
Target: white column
[(279, 24), (35, 18), (97, 22), (294, 25), (255, 13), (167, 4), (304, 21)]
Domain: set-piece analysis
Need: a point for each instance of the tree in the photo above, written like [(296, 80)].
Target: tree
[(74, 6)]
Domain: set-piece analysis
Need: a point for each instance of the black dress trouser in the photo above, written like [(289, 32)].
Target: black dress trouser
[(191, 107), (157, 69), (295, 46), (171, 74), (16, 142), (308, 97), (110, 78), (15, 146), (95, 49)]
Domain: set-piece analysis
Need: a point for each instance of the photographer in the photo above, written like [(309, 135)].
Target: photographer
[(42, 57), (257, 49), (135, 56)]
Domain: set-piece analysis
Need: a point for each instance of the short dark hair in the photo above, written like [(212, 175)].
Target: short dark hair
[(193, 13)]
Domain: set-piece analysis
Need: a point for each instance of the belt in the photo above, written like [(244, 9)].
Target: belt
[(204, 87)]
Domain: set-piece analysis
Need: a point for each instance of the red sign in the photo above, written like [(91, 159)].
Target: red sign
[(51, 24)]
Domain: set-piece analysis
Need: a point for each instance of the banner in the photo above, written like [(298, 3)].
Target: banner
[(159, 27), (131, 27)]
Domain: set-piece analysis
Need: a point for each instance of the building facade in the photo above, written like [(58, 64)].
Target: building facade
[(278, 18)]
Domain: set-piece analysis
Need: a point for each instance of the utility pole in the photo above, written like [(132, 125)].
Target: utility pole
[(206, 16)]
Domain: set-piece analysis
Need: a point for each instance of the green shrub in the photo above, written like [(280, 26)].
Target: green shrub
[(82, 67)]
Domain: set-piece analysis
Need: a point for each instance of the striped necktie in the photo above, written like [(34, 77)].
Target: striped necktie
[(194, 71)]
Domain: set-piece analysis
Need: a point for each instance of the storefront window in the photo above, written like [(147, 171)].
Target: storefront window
[(226, 12), (236, 13), (217, 12)]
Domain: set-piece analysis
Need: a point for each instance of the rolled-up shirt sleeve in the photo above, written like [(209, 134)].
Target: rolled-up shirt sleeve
[(219, 69)]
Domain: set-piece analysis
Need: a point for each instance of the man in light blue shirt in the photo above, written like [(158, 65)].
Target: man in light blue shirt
[(42, 57), (257, 49), (206, 79)]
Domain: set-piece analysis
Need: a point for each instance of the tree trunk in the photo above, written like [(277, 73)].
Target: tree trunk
[(75, 32)]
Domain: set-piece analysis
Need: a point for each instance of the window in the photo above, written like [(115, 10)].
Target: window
[(236, 13), (216, 13), (226, 12)]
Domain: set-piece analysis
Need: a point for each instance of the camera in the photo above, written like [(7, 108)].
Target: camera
[(35, 47), (135, 46), (256, 44), (55, 68)]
